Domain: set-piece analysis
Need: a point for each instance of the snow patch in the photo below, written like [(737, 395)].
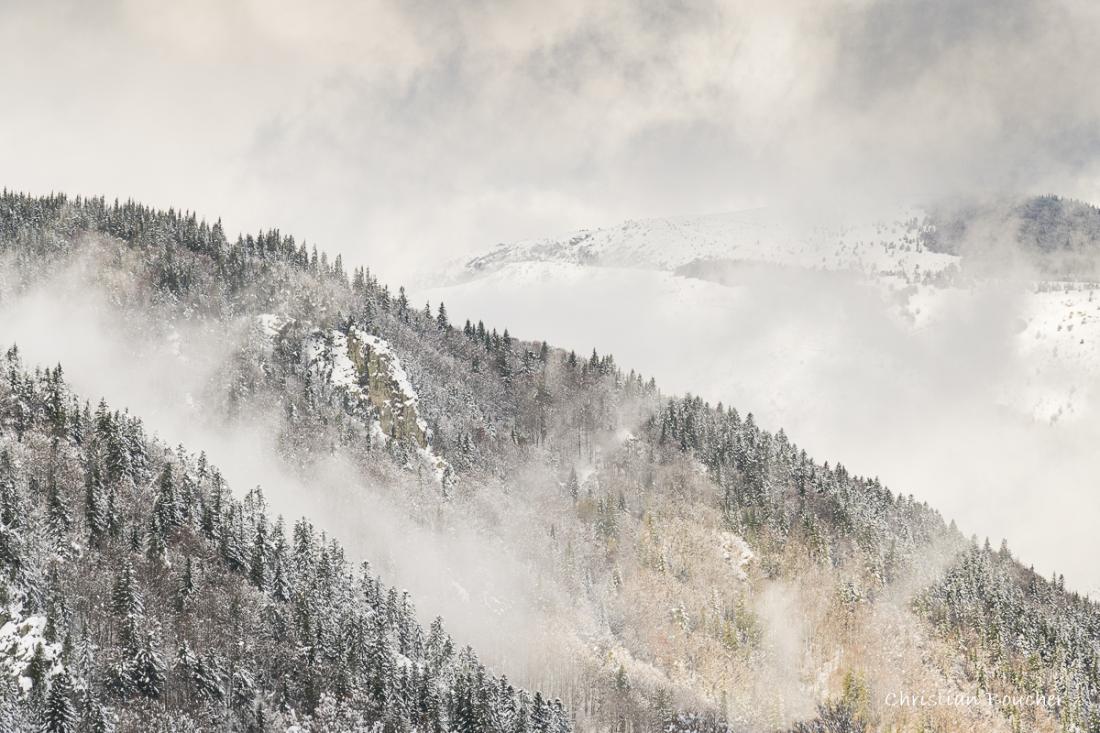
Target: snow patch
[(735, 551), (19, 638), (270, 324)]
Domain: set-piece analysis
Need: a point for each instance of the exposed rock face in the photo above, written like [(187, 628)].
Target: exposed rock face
[(387, 387), (366, 372)]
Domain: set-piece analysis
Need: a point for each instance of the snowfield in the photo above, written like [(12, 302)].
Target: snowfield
[(880, 247), (19, 638)]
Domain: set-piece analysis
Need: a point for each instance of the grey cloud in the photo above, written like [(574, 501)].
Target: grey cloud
[(889, 46), (391, 131)]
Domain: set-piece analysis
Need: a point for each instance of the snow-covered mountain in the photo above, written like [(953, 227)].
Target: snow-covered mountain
[(632, 558), (890, 246)]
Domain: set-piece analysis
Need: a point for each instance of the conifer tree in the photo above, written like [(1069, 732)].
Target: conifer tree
[(37, 669), (126, 602), (60, 520), (257, 570), (186, 586), (59, 715), (146, 667), (96, 510)]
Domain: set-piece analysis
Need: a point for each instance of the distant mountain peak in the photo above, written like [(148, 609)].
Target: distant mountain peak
[(888, 245)]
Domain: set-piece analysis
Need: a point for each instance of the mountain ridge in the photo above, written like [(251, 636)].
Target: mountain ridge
[(894, 244), (624, 496)]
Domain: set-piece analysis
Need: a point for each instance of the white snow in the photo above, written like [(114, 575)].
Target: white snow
[(327, 353), (270, 324), (19, 638), (890, 245), (624, 436), (734, 550)]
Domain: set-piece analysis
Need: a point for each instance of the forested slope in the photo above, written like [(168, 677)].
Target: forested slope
[(693, 569), (138, 591)]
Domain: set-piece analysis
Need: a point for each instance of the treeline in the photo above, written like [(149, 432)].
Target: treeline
[(772, 491), (1024, 633)]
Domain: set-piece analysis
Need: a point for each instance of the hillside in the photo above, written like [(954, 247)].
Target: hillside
[(138, 592), (656, 563), (1058, 237), (832, 331)]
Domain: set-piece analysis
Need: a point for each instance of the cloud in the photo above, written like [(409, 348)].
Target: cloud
[(390, 131), (163, 370)]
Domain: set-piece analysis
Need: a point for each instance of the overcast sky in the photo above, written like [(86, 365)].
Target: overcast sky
[(392, 130)]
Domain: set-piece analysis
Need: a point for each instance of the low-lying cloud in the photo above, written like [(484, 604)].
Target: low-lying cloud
[(949, 408), (488, 597)]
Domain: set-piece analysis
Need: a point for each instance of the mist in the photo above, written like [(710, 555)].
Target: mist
[(396, 133), (938, 396), (490, 597), (401, 135)]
